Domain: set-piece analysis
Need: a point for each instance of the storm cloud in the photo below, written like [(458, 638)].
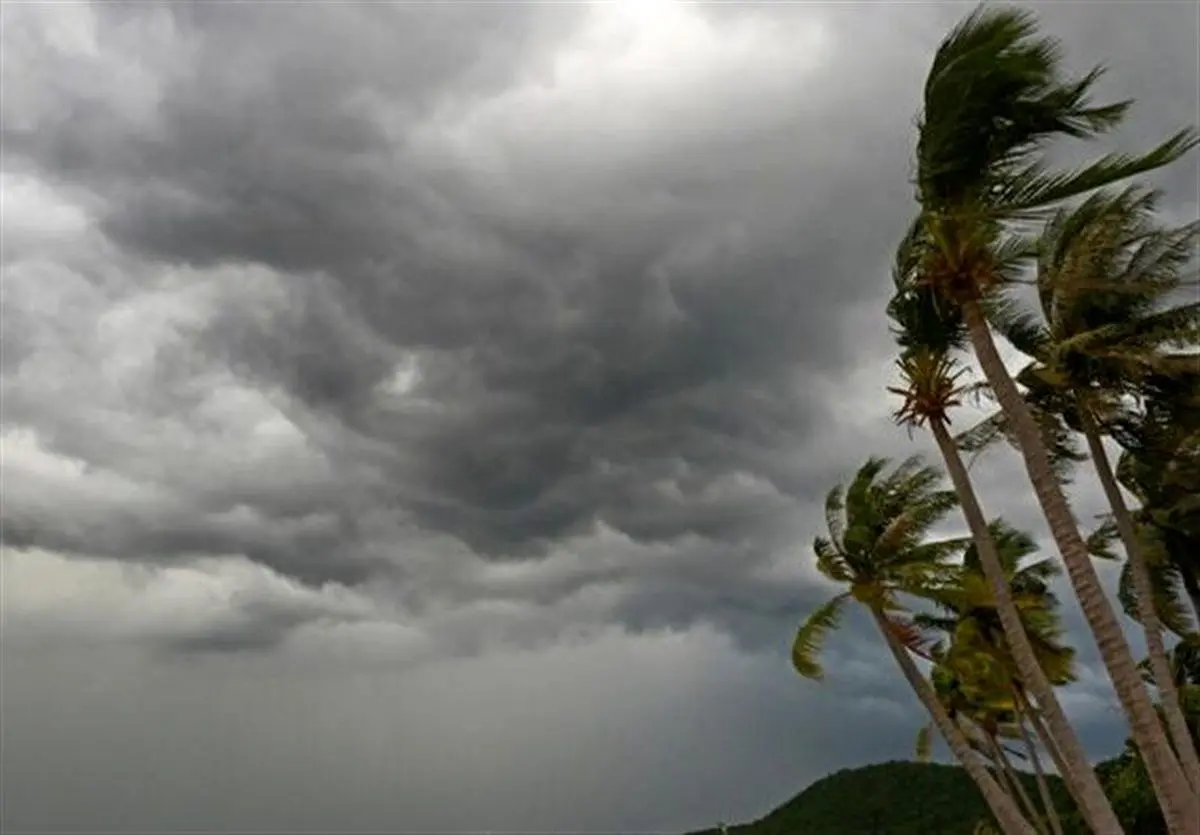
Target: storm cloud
[(438, 347)]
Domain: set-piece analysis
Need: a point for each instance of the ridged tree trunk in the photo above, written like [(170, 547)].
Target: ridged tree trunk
[(1002, 806), (1040, 775), (1085, 786), (1147, 614), (1180, 805), (1043, 733)]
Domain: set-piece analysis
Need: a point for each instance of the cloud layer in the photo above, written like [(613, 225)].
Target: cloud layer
[(433, 338)]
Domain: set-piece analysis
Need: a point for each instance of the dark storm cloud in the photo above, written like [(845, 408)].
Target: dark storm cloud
[(618, 301), (612, 311), (256, 625), (622, 330), (323, 315)]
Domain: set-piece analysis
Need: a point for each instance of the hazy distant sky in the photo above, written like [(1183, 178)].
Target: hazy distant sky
[(415, 415)]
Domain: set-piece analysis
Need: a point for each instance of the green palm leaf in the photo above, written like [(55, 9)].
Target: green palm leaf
[(806, 649)]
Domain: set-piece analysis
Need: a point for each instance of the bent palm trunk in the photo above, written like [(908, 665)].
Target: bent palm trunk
[(1159, 665), (1002, 806), (1077, 772), (1043, 734), (1179, 803), (1040, 775), (1014, 780)]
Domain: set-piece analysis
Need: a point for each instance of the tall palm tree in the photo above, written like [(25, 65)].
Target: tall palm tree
[(1106, 275), (995, 96), (877, 547), (928, 330), (984, 711), (977, 658)]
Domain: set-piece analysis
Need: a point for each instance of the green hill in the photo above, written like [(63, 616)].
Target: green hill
[(894, 798)]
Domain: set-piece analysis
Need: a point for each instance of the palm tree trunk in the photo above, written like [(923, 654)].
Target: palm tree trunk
[(1043, 733), (1180, 805), (1002, 806), (1039, 774), (1014, 780), (1085, 786), (1147, 614)]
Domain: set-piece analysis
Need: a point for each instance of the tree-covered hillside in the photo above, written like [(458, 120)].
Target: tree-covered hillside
[(894, 798)]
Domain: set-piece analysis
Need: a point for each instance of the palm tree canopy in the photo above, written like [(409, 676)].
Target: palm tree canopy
[(968, 609), (921, 320), (1166, 584), (1108, 284), (877, 546), (929, 330), (1161, 464), (1161, 468), (1108, 317), (995, 96)]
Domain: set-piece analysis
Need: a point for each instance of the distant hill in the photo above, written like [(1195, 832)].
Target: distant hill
[(894, 798)]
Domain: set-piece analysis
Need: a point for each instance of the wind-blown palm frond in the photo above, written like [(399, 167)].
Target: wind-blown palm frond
[(806, 649), (1034, 187), (1107, 276), (878, 549), (1023, 328), (993, 97), (972, 624), (1168, 604), (835, 505), (1100, 542), (1063, 449)]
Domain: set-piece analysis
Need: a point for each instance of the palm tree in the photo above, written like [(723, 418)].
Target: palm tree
[(977, 657), (983, 711), (928, 330), (1105, 277), (877, 548), (995, 96), (1161, 468)]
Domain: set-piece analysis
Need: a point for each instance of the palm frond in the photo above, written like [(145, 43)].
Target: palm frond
[(981, 436), (860, 487), (1022, 328), (831, 561), (907, 529), (1033, 187), (1063, 448), (1101, 541), (1173, 612), (910, 636), (810, 637), (835, 507), (993, 96)]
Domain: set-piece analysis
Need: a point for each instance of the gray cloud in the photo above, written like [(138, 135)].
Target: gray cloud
[(477, 332), (576, 337)]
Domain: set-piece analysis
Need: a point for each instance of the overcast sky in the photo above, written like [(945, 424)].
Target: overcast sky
[(415, 415)]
